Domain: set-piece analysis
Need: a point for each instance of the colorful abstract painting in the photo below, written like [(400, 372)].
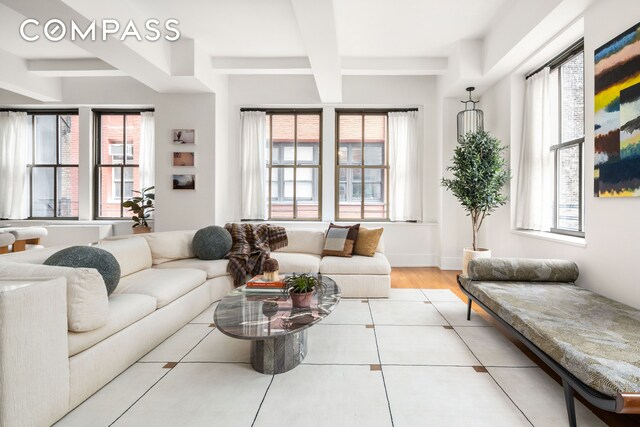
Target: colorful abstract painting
[(617, 116)]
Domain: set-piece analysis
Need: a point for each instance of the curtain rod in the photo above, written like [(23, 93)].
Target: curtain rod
[(338, 110), (562, 57), (374, 110), (284, 110), (42, 110), (122, 110)]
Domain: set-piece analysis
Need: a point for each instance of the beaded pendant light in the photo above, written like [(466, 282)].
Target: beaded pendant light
[(470, 119)]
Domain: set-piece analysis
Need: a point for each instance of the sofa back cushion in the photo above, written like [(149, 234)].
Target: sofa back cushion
[(87, 301), (170, 245), (132, 254), (36, 256), (380, 247), (368, 241), (340, 240), (304, 241)]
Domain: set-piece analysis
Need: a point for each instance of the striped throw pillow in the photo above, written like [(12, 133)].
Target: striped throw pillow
[(340, 240)]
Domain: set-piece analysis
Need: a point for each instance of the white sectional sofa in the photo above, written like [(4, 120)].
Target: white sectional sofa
[(162, 287)]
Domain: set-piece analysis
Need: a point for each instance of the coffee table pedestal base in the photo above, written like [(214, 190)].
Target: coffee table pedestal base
[(278, 355)]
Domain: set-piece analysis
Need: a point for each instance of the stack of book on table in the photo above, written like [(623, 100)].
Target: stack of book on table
[(260, 285)]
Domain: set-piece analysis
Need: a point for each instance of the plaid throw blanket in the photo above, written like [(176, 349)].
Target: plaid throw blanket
[(252, 244)]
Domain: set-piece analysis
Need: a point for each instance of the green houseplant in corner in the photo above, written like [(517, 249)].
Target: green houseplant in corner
[(301, 288), (479, 173), (141, 205)]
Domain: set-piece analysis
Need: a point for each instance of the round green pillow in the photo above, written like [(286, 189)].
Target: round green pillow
[(212, 242), (89, 257)]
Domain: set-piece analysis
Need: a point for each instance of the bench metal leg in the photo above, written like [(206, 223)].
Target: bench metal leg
[(469, 309), (571, 407)]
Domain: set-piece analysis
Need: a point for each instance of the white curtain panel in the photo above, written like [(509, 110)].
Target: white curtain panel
[(14, 144), (405, 192), (253, 136), (535, 196), (147, 149)]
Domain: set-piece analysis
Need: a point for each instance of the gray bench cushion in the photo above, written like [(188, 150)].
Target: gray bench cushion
[(593, 337), (523, 270)]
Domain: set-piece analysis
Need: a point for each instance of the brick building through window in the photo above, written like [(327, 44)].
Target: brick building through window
[(117, 162)]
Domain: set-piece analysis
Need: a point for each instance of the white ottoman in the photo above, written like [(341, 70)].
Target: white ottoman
[(6, 239), (27, 236)]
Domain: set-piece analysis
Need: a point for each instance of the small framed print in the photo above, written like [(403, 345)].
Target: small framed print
[(184, 159), (184, 182), (184, 136)]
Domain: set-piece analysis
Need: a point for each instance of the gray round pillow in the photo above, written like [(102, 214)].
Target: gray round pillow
[(89, 257), (212, 242)]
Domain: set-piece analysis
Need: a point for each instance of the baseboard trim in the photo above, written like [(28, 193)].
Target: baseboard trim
[(412, 260), (451, 263)]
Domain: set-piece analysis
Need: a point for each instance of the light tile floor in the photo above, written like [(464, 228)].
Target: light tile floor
[(412, 360)]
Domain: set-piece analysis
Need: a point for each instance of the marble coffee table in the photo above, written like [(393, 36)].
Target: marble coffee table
[(277, 330)]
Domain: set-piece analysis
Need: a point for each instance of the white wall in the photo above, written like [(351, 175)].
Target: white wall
[(455, 226), (608, 261), (407, 244)]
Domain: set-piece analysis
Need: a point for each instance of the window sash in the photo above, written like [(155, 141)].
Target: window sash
[(56, 166), (556, 209), (562, 145), (275, 160), (119, 196), (349, 166)]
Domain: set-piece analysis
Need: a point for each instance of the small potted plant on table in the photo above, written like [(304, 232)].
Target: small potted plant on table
[(301, 288), (141, 206)]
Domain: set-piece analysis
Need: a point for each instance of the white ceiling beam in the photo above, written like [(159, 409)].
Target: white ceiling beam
[(84, 67), (519, 35), (413, 66), (350, 66), (112, 51), (316, 22), (252, 65), (464, 69), (15, 77)]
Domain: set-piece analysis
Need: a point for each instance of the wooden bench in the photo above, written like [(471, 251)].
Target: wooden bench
[(564, 325)]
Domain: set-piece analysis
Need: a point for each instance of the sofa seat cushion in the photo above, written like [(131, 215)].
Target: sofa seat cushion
[(297, 263), (124, 310), (377, 264), (593, 337), (164, 285), (213, 268)]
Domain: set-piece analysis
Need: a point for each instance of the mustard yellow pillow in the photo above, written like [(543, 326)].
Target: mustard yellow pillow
[(367, 241)]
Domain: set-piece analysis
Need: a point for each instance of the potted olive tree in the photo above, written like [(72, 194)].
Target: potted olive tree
[(301, 288), (141, 206), (479, 173)]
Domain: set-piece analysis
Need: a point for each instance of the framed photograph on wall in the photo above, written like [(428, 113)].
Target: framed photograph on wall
[(184, 159), (184, 136), (184, 182)]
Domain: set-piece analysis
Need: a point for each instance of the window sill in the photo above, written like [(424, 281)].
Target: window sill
[(559, 238), (326, 223)]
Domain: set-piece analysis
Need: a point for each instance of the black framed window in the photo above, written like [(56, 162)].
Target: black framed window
[(362, 155), (567, 75), (117, 153), (54, 147), (294, 164)]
